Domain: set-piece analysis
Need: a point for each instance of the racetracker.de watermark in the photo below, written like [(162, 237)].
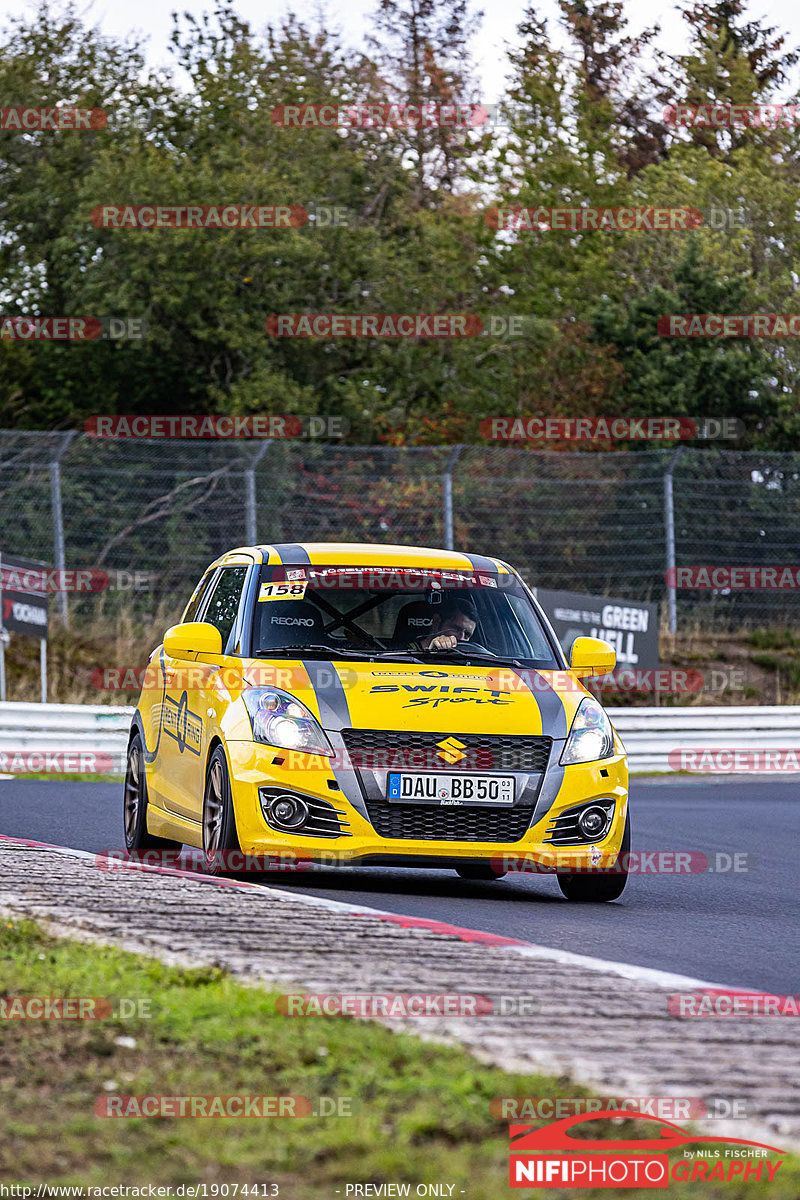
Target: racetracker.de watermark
[(726, 760), (404, 1004), (74, 1008), (733, 116), (641, 862), (50, 329), (663, 681), (370, 325), (28, 119), (72, 329), (668, 681), (661, 1108), (236, 1107), (723, 1003), (781, 577), (60, 762), (729, 325), (44, 580), (198, 216), (609, 429), (584, 218), (379, 116), (283, 425), (540, 862)]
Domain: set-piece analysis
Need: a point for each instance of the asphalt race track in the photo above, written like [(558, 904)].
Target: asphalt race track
[(735, 929)]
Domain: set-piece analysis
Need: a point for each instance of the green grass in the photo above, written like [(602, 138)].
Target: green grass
[(786, 664), (420, 1112), (774, 639)]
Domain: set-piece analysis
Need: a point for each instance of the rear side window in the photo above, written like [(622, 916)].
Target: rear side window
[(198, 595), (224, 602)]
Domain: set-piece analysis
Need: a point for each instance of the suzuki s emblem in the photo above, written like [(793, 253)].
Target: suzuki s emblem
[(451, 750)]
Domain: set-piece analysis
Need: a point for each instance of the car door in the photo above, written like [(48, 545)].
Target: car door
[(160, 706), (194, 702)]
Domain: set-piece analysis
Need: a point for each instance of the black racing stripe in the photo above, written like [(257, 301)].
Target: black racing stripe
[(554, 723), (481, 563), (292, 554), (334, 714), (554, 716), (333, 708)]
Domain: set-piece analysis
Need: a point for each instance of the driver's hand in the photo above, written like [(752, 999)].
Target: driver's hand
[(443, 641)]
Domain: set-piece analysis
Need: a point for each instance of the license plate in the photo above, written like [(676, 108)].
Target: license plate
[(404, 787)]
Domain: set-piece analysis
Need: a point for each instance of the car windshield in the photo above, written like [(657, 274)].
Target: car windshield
[(403, 612)]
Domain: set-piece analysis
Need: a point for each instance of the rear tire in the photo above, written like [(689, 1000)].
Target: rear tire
[(479, 872), (598, 888), (134, 803), (219, 823)]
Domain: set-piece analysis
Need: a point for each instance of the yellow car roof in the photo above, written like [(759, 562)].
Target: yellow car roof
[(358, 554)]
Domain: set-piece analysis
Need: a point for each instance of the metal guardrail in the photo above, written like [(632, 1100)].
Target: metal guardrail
[(86, 738), (649, 734)]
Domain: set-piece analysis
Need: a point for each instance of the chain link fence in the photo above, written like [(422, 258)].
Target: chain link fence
[(154, 513)]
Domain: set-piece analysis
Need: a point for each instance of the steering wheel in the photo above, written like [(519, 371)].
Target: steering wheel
[(473, 648)]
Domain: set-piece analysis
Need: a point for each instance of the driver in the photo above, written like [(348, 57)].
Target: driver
[(454, 622)]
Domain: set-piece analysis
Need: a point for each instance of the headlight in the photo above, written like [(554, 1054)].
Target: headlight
[(591, 736), (280, 720)]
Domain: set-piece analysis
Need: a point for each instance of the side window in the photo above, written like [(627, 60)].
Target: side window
[(526, 615), (198, 595), (224, 602)]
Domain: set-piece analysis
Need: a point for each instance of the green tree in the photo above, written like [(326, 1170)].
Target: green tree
[(693, 377)]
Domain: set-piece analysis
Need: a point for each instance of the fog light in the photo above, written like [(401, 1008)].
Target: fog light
[(592, 822), (287, 812)]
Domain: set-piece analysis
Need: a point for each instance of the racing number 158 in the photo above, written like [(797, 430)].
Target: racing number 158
[(281, 591)]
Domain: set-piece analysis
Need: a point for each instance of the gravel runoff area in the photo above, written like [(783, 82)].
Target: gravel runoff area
[(604, 1025)]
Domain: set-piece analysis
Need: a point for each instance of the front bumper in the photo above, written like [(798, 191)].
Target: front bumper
[(254, 766)]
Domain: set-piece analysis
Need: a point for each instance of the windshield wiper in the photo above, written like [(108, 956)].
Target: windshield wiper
[(341, 652), (398, 656), (312, 648), (466, 656)]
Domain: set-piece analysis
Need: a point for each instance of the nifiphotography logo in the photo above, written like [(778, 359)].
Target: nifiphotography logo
[(551, 1156)]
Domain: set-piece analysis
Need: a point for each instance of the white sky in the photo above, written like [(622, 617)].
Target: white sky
[(152, 18)]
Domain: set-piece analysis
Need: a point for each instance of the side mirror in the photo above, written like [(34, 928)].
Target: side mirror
[(195, 637), (592, 656)]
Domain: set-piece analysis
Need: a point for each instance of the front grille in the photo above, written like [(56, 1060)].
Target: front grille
[(394, 750), (458, 824)]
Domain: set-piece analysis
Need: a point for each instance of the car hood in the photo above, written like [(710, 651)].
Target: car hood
[(432, 697)]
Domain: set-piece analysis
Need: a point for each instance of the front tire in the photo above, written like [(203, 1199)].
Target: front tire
[(219, 823), (596, 888), (134, 803)]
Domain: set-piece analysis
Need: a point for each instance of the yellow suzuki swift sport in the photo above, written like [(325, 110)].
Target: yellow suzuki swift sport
[(387, 705)]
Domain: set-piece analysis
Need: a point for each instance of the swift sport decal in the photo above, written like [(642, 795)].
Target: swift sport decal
[(443, 693)]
